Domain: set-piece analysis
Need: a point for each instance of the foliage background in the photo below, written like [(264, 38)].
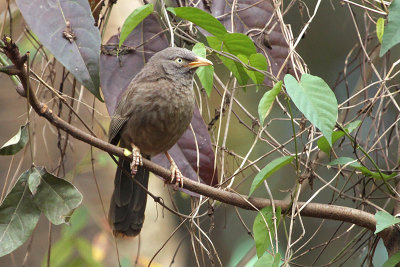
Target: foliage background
[(324, 49)]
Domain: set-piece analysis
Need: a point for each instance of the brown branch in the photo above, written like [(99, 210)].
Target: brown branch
[(315, 210)]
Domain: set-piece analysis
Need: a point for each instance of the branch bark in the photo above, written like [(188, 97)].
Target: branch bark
[(315, 210)]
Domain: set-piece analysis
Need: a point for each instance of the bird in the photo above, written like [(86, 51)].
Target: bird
[(151, 116)]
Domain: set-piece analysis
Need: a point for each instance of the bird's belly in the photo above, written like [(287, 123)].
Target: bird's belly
[(156, 131)]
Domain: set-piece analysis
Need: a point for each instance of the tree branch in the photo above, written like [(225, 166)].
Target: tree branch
[(315, 210)]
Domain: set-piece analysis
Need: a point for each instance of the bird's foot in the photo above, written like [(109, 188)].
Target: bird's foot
[(176, 175), (136, 159)]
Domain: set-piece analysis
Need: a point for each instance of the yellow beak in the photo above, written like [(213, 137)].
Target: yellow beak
[(199, 61)]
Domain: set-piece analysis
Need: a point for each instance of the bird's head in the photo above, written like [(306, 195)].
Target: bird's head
[(179, 61)]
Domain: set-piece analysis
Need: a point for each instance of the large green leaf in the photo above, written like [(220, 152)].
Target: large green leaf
[(268, 170), (268, 260), (200, 18), (15, 144), (137, 16), (384, 220), (18, 216), (55, 197), (313, 97), (265, 105), (66, 28), (205, 73), (260, 230), (391, 35)]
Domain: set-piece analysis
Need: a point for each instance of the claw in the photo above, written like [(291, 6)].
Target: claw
[(136, 159), (176, 175)]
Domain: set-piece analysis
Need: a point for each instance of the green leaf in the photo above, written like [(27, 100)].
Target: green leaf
[(268, 170), (352, 126), (15, 144), (235, 67), (392, 261), (257, 61), (137, 16), (76, 224), (239, 44), (18, 216), (200, 18), (205, 73), (324, 145), (268, 260), (61, 253), (384, 220), (85, 251), (342, 161), (364, 170), (261, 231), (55, 197), (266, 102), (380, 28), (391, 35), (313, 97)]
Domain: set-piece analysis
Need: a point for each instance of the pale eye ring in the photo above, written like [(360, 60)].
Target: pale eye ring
[(179, 60)]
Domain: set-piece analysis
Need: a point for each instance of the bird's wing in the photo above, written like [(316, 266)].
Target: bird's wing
[(116, 124)]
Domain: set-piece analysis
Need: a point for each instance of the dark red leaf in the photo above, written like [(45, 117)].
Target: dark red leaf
[(116, 74), (67, 29)]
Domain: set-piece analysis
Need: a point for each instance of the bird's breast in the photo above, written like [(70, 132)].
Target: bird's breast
[(159, 118)]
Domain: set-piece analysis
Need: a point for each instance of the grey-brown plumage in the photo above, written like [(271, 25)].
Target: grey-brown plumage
[(152, 115)]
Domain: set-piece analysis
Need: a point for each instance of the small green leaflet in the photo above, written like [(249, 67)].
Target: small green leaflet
[(15, 144), (313, 97), (137, 16), (380, 28), (205, 73), (268, 170), (200, 18), (268, 260), (261, 232), (323, 143), (358, 166), (239, 44), (384, 220), (391, 35), (235, 67), (266, 102), (257, 61), (392, 261)]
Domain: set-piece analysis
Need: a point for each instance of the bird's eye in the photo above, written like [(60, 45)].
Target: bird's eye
[(179, 60)]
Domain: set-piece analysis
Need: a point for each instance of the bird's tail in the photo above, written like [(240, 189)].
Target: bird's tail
[(128, 202)]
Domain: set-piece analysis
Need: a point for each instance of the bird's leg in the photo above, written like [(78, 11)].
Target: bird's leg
[(176, 174), (136, 159)]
